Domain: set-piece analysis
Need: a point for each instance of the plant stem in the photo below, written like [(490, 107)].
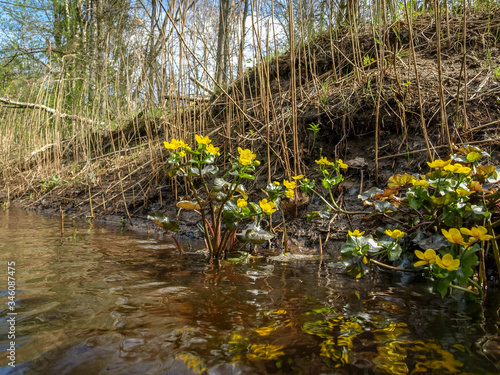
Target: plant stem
[(478, 287), (335, 208)]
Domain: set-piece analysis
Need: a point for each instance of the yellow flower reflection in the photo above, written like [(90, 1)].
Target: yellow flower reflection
[(265, 351), (192, 362), (429, 257)]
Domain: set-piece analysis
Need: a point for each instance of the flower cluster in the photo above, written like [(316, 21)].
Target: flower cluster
[(430, 257), (460, 197), (475, 234)]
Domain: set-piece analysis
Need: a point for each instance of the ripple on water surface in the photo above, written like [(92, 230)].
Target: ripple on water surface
[(107, 301)]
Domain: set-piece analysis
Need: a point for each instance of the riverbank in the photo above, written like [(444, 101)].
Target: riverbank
[(381, 118)]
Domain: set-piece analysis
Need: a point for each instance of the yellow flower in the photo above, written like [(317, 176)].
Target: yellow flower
[(394, 233), (213, 150), (267, 207), (175, 144), (365, 260), (458, 168), (439, 163), (276, 183), (289, 193), (241, 203), (479, 233), (202, 140), (422, 183), (341, 164), (182, 153), (323, 161), (289, 185), (448, 262), (246, 156), (428, 257), (356, 233), (453, 235), (298, 177)]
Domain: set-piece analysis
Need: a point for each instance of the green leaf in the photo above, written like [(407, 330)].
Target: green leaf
[(246, 175), (435, 241), (441, 286), (394, 252), (220, 184), (384, 206), (210, 169), (164, 222), (370, 194), (254, 234), (241, 189), (188, 205), (230, 215)]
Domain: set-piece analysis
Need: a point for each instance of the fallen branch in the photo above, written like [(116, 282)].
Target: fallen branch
[(15, 104)]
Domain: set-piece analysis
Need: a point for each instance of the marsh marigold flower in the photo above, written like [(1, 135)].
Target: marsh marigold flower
[(458, 168), (202, 140), (341, 164), (182, 153), (356, 233), (478, 233), (439, 163), (241, 203), (298, 177), (289, 193), (267, 207), (448, 262), (289, 184), (212, 150), (428, 257), (396, 234), (453, 236), (175, 144), (246, 156), (323, 161)]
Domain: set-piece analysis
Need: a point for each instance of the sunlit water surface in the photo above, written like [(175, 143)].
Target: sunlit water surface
[(105, 300)]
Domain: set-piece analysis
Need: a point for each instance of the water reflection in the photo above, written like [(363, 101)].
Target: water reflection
[(105, 301)]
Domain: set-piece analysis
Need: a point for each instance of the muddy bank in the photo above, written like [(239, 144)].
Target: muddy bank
[(337, 89)]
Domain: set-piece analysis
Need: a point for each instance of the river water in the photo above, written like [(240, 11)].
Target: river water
[(106, 300)]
